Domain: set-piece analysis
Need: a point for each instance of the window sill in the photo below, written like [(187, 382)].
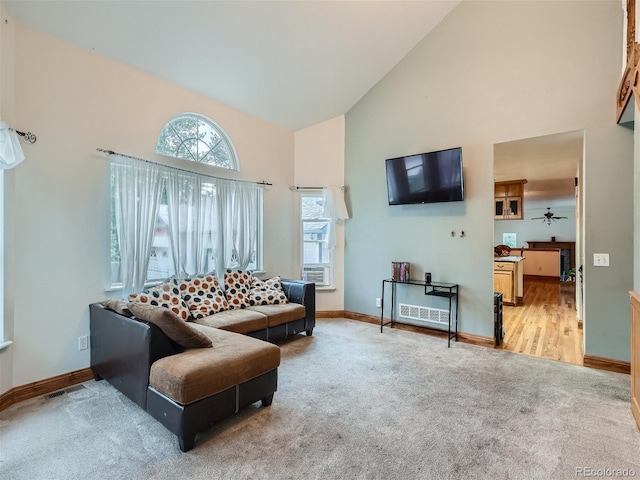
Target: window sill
[(118, 287), (5, 345), (325, 289)]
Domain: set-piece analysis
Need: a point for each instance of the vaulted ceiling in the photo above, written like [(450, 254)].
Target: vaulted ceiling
[(292, 63)]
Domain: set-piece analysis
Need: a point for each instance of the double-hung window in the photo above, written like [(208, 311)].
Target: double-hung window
[(317, 257)]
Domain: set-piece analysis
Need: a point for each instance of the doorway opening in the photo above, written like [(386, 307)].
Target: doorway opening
[(542, 314)]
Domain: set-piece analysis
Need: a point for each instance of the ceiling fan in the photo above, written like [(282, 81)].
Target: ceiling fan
[(548, 217)]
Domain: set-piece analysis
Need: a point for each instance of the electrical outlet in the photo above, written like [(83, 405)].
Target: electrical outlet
[(379, 302), (600, 259), (83, 342)]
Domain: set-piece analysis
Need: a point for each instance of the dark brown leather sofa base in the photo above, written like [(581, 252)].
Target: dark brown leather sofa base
[(185, 421), (124, 349)]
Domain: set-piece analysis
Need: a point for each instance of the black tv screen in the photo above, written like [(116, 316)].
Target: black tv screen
[(425, 177)]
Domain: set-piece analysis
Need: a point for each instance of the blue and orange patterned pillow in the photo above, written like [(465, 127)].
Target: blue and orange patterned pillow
[(203, 295), (267, 292), (166, 296), (237, 287)]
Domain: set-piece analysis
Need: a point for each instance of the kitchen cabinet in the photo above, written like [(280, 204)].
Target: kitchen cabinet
[(567, 249), (504, 281), (508, 199), (508, 279)]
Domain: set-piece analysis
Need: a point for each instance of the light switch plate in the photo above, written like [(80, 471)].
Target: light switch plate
[(600, 259)]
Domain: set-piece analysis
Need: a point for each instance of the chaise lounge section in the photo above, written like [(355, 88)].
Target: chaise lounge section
[(189, 389)]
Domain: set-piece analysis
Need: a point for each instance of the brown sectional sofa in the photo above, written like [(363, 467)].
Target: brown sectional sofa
[(188, 390)]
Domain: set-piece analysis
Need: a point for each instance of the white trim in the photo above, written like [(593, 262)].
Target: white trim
[(2, 252), (5, 345)]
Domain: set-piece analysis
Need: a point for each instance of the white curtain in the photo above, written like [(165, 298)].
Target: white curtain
[(191, 202), (236, 217), (137, 187), (10, 150), (334, 209)]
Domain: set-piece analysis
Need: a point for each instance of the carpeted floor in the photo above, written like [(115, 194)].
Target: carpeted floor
[(351, 404)]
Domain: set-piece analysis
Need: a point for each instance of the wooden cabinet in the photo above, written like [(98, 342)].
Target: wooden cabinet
[(567, 248), (508, 200), (542, 263), (635, 356), (504, 281)]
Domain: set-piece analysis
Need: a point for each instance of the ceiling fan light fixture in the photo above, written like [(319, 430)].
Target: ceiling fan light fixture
[(547, 217)]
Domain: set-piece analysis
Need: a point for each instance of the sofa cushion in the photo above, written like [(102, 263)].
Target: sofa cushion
[(267, 292), (165, 295), (171, 325), (237, 284), (279, 314), (196, 374), (202, 295), (239, 321)]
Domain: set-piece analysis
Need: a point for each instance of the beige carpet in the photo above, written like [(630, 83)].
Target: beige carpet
[(355, 404)]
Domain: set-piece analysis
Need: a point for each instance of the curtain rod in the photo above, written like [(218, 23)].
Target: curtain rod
[(111, 152), (293, 188), (29, 137)]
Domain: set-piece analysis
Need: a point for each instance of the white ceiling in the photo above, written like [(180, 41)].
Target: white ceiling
[(548, 163), (294, 63)]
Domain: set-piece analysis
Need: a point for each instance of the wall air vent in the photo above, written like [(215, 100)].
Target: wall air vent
[(423, 314)]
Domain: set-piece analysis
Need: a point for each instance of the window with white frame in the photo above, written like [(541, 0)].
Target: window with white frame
[(196, 138), (317, 257)]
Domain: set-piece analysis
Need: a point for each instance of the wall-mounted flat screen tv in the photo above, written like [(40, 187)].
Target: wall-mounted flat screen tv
[(425, 177)]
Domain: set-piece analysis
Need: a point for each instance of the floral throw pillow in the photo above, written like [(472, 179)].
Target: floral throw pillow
[(267, 292), (203, 295), (237, 286), (165, 295)]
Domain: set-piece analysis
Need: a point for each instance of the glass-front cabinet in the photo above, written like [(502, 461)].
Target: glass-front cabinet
[(508, 200)]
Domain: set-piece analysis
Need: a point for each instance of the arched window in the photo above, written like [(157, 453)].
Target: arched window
[(194, 137)]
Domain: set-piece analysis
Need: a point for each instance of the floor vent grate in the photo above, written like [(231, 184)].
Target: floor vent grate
[(56, 394), (73, 388), (423, 314)]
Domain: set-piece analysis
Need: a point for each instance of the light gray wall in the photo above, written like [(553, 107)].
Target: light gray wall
[(493, 72), (527, 229)]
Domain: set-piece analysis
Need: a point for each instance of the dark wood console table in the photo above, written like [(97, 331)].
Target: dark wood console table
[(435, 289)]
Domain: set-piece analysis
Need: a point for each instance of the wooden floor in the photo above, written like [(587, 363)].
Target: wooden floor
[(546, 325)]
